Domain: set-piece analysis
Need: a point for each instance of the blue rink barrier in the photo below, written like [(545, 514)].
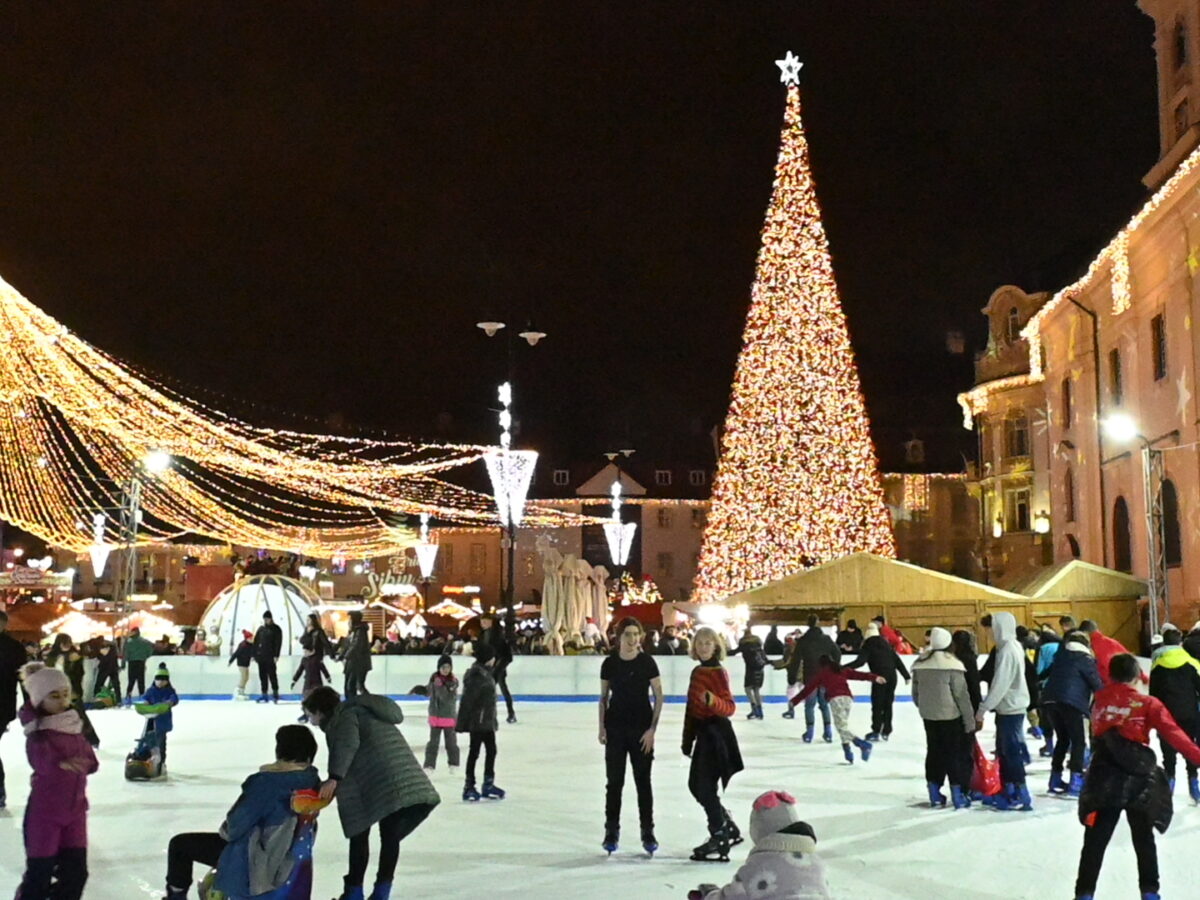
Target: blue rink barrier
[(532, 679)]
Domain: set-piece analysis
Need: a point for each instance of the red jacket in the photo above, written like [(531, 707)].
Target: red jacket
[(836, 684), (1104, 648), (889, 634), (1133, 714), (704, 679)]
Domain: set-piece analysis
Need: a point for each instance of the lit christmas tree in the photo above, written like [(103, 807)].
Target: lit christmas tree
[(797, 484)]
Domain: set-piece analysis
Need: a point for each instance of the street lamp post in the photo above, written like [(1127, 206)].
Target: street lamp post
[(1121, 427), (510, 471), (617, 534)]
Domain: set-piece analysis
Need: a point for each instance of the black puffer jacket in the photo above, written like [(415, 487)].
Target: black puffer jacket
[(814, 644), (1125, 775), (477, 709)]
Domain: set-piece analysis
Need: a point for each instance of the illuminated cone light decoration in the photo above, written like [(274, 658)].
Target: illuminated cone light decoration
[(797, 484), (99, 550), (510, 471), (618, 535), (427, 551)]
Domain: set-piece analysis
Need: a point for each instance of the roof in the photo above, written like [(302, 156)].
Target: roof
[(1076, 579), (864, 578)]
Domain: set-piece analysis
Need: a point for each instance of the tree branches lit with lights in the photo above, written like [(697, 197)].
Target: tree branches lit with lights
[(797, 484)]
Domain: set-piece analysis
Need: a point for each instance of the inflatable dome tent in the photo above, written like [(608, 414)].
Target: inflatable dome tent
[(241, 606)]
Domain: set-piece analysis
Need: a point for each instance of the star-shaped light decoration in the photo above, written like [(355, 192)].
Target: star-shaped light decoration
[(789, 68), (1183, 396)]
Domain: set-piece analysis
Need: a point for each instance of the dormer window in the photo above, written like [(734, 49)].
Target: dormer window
[(1179, 46), (562, 477), (1013, 325), (662, 477), (696, 478)]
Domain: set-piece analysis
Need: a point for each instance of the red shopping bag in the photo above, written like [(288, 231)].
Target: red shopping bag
[(985, 779)]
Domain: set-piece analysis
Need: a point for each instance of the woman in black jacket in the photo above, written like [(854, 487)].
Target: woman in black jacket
[(314, 638)]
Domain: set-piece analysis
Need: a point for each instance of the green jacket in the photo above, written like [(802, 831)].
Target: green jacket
[(376, 771), (138, 649)]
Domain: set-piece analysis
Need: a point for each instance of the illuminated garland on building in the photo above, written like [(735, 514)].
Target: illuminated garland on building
[(76, 426), (797, 484)]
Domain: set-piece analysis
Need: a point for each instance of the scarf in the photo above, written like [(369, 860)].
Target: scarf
[(68, 722)]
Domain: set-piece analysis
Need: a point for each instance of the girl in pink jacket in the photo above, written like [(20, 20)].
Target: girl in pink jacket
[(56, 817)]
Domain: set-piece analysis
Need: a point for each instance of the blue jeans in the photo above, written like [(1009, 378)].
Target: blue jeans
[(816, 698), (1009, 738)]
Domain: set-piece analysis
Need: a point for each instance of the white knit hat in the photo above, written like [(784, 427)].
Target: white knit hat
[(41, 682), (939, 639)]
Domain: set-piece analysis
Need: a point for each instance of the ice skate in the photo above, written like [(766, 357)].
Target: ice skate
[(808, 734), (828, 735), (937, 800), (848, 752), (381, 892), (611, 835), (512, 719), (732, 832), (864, 747), (351, 893), (1194, 789), (649, 841), (960, 799), (715, 849), (490, 791), (1075, 788), (873, 736), (1057, 785), (789, 713), (470, 795)]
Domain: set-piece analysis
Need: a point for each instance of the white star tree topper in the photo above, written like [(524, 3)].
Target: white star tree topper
[(789, 68)]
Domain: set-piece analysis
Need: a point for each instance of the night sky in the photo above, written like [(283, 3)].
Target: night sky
[(297, 211)]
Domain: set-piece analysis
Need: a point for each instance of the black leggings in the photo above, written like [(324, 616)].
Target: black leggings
[(704, 781), (1192, 730), (193, 847), (882, 697), (1066, 724), (487, 740), (113, 679), (355, 683), (1095, 840), (69, 868), (393, 828), (268, 676), (944, 755), (502, 684), (137, 675), (619, 744)]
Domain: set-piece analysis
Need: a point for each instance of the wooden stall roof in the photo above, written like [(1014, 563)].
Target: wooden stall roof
[(864, 578), (1079, 580)]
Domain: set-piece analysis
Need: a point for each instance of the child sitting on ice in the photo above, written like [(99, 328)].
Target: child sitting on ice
[(56, 814), (783, 865), (253, 848), (161, 691)]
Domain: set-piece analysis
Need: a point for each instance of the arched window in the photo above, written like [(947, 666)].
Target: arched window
[(1116, 387), (1122, 554), (1013, 327), (1066, 402), (1172, 542), (1073, 546), (1180, 45), (1069, 496)]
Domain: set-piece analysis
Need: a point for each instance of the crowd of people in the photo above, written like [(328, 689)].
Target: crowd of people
[(1074, 688)]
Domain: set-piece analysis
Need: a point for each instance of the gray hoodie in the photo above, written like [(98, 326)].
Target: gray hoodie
[(1007, 693)]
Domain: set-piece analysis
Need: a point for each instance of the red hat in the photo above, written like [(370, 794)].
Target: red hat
[(247, 635)]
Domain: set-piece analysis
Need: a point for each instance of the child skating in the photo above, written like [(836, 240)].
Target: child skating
[(751, 649), (56, 813), (709, 740), (835, 680), (312, 667), (477, 717), (443, 697), (243, 654)]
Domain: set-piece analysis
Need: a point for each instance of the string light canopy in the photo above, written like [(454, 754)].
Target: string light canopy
[(76, 425), (797, 483)]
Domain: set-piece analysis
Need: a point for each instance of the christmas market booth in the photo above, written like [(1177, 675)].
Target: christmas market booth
[(861, 586)]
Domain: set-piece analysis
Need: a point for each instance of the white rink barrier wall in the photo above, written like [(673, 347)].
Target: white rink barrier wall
[(530, 678)]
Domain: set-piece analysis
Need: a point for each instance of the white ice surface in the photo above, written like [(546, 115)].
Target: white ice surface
[(878, 840)]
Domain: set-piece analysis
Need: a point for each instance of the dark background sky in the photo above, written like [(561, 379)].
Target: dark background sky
[(301, 209)]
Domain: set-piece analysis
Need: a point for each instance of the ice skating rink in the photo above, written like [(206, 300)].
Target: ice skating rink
[(877, 837)]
